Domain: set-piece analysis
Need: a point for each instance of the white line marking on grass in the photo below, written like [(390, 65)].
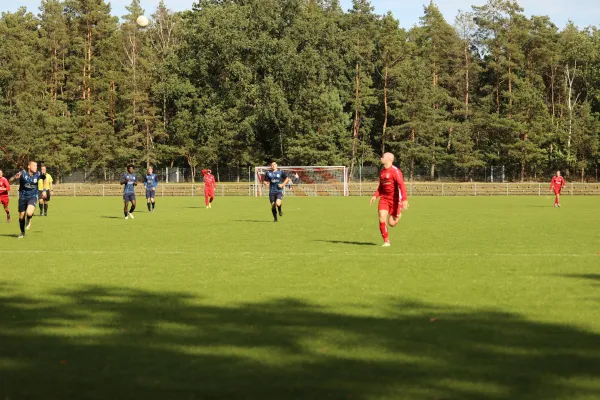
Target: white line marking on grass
[(384, 253)]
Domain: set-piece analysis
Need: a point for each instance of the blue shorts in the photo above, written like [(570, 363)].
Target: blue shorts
[(150, 193), (128, 196), (25, 202), (275, 196)]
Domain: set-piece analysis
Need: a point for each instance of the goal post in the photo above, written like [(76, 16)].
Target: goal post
[(307, 181)]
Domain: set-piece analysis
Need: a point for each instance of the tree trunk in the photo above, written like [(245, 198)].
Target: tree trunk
[(498, 96), (385, 107), (450, 138), (510, 100), (467, 64), (412, 140), (552, 78), (356, 125)]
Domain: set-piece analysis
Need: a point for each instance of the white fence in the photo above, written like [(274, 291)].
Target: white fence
[(354, 189)]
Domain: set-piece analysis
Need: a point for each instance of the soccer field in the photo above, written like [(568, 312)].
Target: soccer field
[(478, 298)]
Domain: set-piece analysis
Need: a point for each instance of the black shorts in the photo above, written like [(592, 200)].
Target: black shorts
[(273, 197), (128, 196), (26, 202), (150, 193), (41, 195)]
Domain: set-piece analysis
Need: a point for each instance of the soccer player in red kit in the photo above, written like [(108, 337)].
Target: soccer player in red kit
[(4, 189), (392, 194), (556, 185), (210, 184)]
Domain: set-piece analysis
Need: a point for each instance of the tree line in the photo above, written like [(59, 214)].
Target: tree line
[(302, 82)]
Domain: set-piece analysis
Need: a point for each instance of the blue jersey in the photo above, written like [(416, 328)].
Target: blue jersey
[(151, 181), (129, 180), (276, 178), (28, 184)]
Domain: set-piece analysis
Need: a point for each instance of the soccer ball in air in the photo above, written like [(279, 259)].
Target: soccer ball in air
[(142, 21)]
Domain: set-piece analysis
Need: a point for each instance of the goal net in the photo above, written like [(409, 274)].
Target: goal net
[(306, 181)]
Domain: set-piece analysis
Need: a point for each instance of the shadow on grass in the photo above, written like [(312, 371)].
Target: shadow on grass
[(591, 277), (347, 242), (109, 343), (254, 221), (111, 217), (12, 235)]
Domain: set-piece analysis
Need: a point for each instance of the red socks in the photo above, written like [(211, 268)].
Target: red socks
[(206, 200), (384, 231)]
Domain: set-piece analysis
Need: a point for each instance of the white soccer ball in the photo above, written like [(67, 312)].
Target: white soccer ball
[(142, 21)]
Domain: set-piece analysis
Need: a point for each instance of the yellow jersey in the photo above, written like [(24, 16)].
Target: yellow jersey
[(45, 184)]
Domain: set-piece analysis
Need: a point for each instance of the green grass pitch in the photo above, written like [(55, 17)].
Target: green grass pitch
[(478, 298)]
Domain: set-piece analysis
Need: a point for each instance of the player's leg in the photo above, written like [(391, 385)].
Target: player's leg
[(206, 199), (30, 211), (278, 202), (40, 195), (46, 203), (132, 208), (273, 200), (558, 198), (4, 202), (153, 202), (383, 217), (125, 206), (148, 195), (22, 209)]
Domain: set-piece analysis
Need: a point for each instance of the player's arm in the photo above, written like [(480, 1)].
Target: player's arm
[(286, 179), (50, 180), (155, 184), (564, 183), (124, 180), (376, 194), (403, 192), (14, 177), (204, 172)]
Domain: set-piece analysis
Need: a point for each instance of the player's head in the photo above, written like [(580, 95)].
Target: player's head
[(1, 173), (150, 170), (43, 169), (557, 173), (273, 166), (387, 159), (130, 168), (32, 167), (209, 171)]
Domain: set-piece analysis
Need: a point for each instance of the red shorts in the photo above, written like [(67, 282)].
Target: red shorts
[(557, 190), (391, 205), (4, 201), (209, 194)]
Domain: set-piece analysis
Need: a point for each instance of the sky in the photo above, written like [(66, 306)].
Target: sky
[(581, 12)]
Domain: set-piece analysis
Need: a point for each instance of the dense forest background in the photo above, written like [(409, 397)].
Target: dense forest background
[(242, 82)]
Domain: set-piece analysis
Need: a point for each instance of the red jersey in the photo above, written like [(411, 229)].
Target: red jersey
[(209, 181), (558, 182), (391, 184), (4, 187)]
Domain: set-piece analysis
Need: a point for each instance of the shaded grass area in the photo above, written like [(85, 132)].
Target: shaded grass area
[(477, 299)]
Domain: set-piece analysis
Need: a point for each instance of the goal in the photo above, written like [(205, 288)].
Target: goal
[(307, 181)]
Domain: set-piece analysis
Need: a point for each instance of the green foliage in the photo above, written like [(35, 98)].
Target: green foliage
[(239, 83)]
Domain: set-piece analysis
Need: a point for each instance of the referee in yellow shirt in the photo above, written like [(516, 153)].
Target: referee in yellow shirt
[(44, 192)]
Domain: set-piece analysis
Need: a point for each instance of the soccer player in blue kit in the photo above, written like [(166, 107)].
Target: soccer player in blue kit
[(28, 194), (130, 182), (276, 179), (150, 182)]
